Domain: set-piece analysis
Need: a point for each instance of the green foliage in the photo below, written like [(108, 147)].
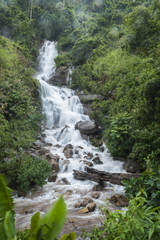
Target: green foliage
[(139, 222), (70, 236), (50, 225), (119, 139), (148, 184), (32, 172)]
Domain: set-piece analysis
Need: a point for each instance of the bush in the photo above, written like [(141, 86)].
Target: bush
[(33, 172), (139, 222)]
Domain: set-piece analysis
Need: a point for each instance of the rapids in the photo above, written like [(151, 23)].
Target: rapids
[(63, 109)]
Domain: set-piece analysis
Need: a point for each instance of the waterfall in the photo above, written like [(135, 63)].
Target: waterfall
[(62, 109)]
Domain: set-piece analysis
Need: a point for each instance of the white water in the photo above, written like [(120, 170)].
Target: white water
[(63, 109)]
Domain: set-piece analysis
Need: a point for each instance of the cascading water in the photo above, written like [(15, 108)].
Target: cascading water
[(63, 109)]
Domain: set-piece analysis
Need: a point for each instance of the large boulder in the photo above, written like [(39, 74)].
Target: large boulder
[(54, 165), (132, 167), (87, 127), (68, 151), (60, 77)]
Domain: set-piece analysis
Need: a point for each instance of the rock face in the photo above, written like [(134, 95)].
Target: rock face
[(60, 77), (52, 177), (68, 151), (87, 127), (119, 200)]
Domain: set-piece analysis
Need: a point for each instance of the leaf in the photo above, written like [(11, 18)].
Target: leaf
[(150, 233), (6, 201), (35, 225), (9, 225), (71, 236), (54, 220)]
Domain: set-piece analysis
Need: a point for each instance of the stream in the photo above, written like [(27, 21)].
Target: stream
[(63, 109)]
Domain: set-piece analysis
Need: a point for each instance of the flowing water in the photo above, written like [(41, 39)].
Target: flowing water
[(63, 109)]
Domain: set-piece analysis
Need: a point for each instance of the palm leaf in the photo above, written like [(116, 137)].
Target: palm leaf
[(6, 201)]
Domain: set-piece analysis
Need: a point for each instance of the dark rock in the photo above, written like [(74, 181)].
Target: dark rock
[(57, 146), (132, 167), (54, 165), (78, 205), (86, 201), (91, 207), (60, 77), (52, 177), (98, 187), (96, 195), (65, 181), (88, 163), (97, 160), (87, 127), (119, 200)]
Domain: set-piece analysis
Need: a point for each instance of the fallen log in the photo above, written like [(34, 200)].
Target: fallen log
[(101, 176)]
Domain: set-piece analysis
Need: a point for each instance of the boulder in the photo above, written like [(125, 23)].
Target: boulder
[(65, 181), (119, 200), (86, 201), (78, 205), (60, 77), (84, 210), (88, 163), (52, 177), (68, 151), (97, 160), (54, 165), (91, 207), (96, 195), (87, 127), (132, 167)]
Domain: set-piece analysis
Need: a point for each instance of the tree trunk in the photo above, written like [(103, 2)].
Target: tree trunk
[(100, 176)]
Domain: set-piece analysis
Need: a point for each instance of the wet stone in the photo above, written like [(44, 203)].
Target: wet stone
[(78, 205), (96, 195), (97, 160), (86, 201), (91, 207), (119, 200), (83, 210), (65, 181)]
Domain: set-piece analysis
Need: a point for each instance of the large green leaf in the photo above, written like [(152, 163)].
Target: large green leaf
[(6, 201), (35, 225), (53, 221), (9, 225)]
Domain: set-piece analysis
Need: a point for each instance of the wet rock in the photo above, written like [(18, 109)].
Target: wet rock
[(84, 137), (28, 211), (43, 151), (86, 201), (50, 156), (87, 127), (132, 167), (78, 205), (84, 210), (65, 181), (68, 151), (54, 165), (76, 151), (57, 146), (96, 195), (91, 207), (60, 77), (66, 162), (38, 143), (52, 177), (97, 160), (88, 155), (98, 187), (119, 200), (88, 163), (89, 98)]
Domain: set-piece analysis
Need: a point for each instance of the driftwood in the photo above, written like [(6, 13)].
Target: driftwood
[(101, 176)]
